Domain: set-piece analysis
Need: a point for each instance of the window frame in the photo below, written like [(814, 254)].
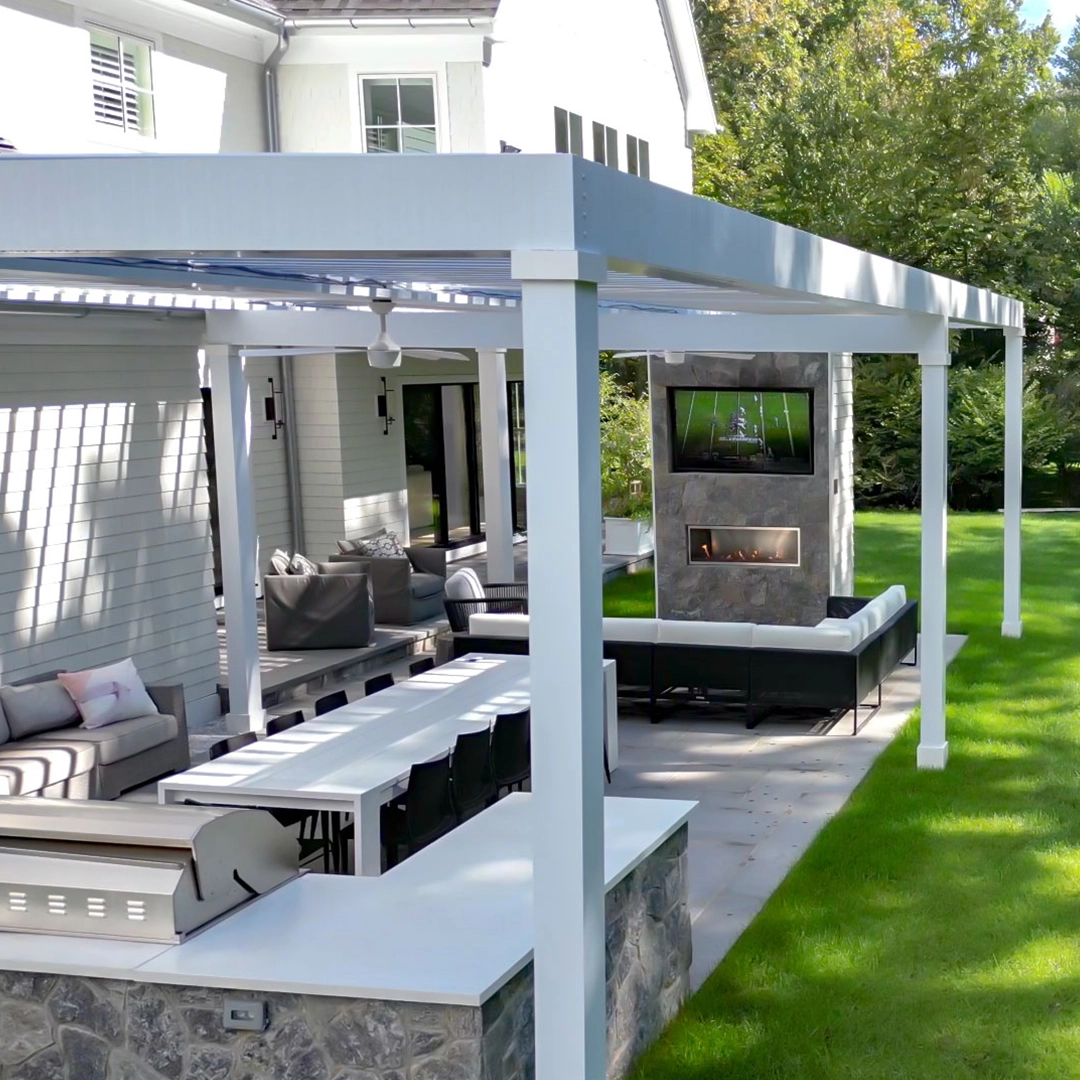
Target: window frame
[(112, 133), (397, 76)]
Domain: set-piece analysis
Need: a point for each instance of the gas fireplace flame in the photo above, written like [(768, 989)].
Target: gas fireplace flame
[(753, 546)]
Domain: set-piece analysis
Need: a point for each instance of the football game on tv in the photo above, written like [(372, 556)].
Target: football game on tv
[(762, 431)]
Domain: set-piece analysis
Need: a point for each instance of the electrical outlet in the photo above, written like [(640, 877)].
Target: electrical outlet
[(246, 1015)]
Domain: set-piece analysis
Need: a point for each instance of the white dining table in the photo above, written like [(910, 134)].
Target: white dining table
[(358, 757)]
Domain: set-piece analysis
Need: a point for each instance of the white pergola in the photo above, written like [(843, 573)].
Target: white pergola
[(558, 257)]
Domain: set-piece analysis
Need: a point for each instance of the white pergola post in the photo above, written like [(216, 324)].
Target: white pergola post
[(1012, 624), (560, 332), (238, 535), (495, 445), (933, 752)]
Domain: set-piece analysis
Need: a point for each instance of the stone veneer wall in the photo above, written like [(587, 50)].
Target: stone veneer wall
[(58, 1027), (819, 505)]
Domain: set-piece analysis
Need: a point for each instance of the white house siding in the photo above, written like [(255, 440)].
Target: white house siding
[(319, 438), (104, 530), (842, 468), (608, 61), (207, 79), (269, 471), (319, 85)]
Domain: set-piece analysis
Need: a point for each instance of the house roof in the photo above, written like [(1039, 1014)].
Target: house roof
[(383, 9)]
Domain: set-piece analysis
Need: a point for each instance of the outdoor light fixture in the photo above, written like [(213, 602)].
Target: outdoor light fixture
[(382, 405), (270, 406)]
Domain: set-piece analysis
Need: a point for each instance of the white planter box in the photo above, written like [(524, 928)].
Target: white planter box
[(627, 536)]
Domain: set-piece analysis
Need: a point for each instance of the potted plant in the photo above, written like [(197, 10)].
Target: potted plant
[(625, 469), (628, 527)]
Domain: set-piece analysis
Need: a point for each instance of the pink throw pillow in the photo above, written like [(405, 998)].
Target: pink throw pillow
[(109, 694)]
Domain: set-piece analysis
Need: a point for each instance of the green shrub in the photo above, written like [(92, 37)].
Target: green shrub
[(625, 450), (888, 425)]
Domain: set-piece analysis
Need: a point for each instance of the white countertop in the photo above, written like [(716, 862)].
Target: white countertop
[(450, 925)]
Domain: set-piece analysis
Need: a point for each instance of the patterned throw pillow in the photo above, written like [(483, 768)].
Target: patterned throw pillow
[(109, 694), (279, 562), (383, 547), (301, 566)]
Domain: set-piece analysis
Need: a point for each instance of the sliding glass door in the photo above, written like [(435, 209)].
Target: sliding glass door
[(444, 461)]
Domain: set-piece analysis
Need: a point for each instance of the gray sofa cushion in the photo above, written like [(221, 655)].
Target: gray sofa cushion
[(5, 731), (121, 740), (27, 767), (421, 586), (37, 707)]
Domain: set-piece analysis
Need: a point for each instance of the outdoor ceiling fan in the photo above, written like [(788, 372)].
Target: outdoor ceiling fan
[(679, 356), (382, 353)]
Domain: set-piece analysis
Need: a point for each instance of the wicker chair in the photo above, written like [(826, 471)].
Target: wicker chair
[(509, 598)]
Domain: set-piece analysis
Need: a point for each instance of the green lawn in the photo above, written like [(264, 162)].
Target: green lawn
[(932, 932)]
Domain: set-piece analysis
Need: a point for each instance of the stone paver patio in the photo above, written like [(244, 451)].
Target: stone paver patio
[(763, 796)]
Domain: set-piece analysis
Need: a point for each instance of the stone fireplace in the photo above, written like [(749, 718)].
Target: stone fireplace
[(755, 546)]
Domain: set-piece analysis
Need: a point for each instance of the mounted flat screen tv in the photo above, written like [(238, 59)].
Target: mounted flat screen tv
[(742, 431)]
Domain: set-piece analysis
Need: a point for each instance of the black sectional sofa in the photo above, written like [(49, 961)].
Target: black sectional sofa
[(833, 666)]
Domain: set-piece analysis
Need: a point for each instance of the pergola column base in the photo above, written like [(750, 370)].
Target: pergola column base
[(238, 723), (932, 757), (1012, 629)]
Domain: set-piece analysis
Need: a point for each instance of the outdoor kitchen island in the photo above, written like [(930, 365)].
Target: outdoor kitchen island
[(423, 973)]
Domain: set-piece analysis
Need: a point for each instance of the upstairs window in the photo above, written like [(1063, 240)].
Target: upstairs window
[(605, 145), (399, 116), (123, 82), (568, 133), (637, 157)]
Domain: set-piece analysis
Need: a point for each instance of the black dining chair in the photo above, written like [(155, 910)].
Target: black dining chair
[(330, 702), (309, 845), (510, 759), (377, 683), (233, 742), (422, 814), (418, 667), (277, 724), (472, 786)]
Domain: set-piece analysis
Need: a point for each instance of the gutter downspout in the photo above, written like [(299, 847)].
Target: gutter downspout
[(270, 69), (288, 383)]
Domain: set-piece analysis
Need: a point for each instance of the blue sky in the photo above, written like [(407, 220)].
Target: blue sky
[(1063, 12)]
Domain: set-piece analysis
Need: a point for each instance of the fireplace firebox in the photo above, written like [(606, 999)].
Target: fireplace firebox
[(745, 545)]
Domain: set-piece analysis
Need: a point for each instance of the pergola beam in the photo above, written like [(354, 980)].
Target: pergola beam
[(619, 330)]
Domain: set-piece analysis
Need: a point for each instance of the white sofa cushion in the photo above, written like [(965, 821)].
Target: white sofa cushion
[(109, 694), (817, 638), (877, 612), (616, 629), (508, 626), (464, 584), (685, 632), (895, 597), (853, 629)]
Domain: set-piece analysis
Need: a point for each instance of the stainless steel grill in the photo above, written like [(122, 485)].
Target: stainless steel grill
[(133, 871)]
